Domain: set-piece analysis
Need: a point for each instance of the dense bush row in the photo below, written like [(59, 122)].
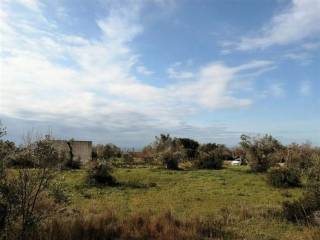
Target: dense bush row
[(261, 153), (171, 151), (284, 177)]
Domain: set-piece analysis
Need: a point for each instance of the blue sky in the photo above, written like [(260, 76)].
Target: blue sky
[(125, 71)]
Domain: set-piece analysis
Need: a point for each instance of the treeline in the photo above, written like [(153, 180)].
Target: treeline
[(261, 153), (172, 151)]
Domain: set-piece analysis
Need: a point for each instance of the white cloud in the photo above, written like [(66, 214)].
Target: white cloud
[(277, 90), (143, 70), (274, 90), (255, 64), (174, 73), (304, 53), (310, 46), (31, 4), (73, 80), (298, 56), (179, 74), (298, 22), (217, 85), (305, 88)]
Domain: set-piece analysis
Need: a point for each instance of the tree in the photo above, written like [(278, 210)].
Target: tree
[(211, 156), (3, 149), (106, 151), (220, 150), (168, 151), (299, 156), (163, 143), (21, 193), (3, 209), (3, 130), (170, 159), (189, 147), (7, 151), (260, 151)]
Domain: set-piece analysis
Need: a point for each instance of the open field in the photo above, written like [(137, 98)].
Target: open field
[(246, 201)]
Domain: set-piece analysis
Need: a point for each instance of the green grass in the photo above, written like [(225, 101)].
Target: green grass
[(251, 204)]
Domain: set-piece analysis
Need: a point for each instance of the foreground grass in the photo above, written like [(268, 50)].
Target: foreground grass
[(245, 200)]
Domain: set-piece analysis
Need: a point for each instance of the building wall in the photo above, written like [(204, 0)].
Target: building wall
[(81, 149)]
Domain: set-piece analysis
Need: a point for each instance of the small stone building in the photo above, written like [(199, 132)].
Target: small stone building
[(81, 150)]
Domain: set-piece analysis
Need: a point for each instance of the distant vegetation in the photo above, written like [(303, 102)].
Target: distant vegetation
[(176, 188)]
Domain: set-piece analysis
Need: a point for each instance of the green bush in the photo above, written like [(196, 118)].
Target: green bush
[(302, 210), (22, 158), (7, 151), (301, 156), (170, 159), (261, 152), (105, 152), (209, 160), (59, 193), (313, 173), (99, 173), (284, 177)]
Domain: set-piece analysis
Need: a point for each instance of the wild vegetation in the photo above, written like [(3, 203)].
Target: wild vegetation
[(176, 188)]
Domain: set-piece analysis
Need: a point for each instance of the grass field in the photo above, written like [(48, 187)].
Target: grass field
[(245, 200)]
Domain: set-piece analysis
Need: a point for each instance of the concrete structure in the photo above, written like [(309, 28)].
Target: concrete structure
[(81, 150)]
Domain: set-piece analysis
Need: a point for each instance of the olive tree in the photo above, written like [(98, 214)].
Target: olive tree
[(261, 152)]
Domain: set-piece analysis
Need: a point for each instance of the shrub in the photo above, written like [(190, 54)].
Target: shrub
[(105, 152), (209, 160), (261, 152), (99, 173), (189, 147), (34, 154), (301, 156), (220, 150), (7, 150), (170, 159), (22, 158), (313, 173), (21, 194), (45, 154), (128, 158), (284, 177), (302, 210), (58, 193)]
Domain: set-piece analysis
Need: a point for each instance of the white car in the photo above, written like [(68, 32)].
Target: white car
[(236, 162)]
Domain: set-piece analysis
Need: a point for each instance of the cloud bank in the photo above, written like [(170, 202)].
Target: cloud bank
[(51, 76), (299, 21)]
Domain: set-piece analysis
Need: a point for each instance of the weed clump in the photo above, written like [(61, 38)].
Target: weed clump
[(209, 160), (138, 226), (100, 173), (303, 209), (284, 177), (170, 159), (58, 193)]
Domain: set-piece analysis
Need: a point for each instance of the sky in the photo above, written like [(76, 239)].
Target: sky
[(125, 71)]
